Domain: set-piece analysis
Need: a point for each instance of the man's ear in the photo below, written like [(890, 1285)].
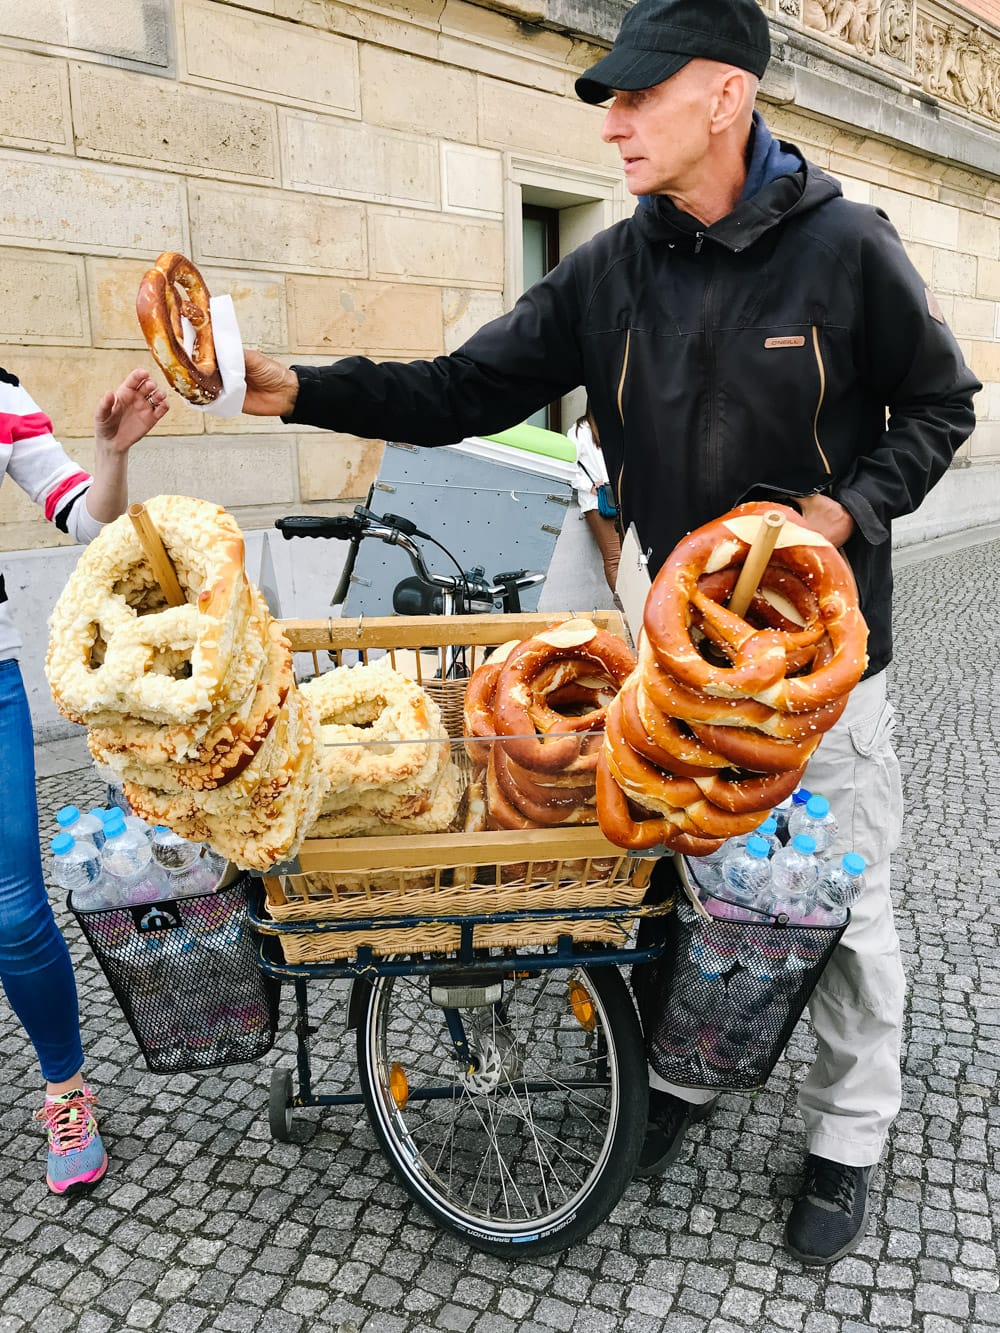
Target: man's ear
[(733, 94)]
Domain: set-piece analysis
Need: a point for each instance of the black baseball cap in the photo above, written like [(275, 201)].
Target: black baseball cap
[(659, 37)]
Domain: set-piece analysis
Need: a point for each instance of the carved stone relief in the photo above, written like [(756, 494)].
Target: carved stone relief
[(958, 64), (895, 29), (852, 21), (934, 43)]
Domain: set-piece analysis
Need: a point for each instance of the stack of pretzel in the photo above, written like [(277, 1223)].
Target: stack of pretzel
[(719, 719), (384, 753), (534, 721), (192, 705)]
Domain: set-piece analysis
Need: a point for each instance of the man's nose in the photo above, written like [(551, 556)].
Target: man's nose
[(613, 127)]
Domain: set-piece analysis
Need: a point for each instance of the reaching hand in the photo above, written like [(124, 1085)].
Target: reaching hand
[(125, 416), (827, 517), (271, 387)]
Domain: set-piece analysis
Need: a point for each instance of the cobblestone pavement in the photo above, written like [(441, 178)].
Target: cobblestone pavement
[(204, 1223)]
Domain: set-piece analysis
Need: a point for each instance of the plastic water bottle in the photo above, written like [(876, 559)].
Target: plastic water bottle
[(711, 955), (117, 800), (794, 874), (841, 883), (816, 820), (837, 886), (769, 832), (780, 815), (84, 828), (132, 821), (76, 867), (151, 994), (707, 870), (188, 872), (171, 850), (747, 875), (99, 813), (736, 1048), (127, 860)]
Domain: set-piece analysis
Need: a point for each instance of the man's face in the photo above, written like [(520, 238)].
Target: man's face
[(662, 132)]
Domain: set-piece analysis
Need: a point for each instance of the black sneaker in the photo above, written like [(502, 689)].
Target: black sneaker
[(830, 1216), (669, 1118)]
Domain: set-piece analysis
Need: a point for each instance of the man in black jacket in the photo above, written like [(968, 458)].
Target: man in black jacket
[(748, 332)]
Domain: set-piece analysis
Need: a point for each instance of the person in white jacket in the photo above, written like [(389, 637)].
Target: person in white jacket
[(591, 476), (35, 967)]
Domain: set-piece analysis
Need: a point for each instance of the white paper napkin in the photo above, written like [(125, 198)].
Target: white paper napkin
[(228, 354)]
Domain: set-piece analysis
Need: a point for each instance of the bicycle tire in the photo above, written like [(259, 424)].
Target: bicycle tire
[(500, 1191)]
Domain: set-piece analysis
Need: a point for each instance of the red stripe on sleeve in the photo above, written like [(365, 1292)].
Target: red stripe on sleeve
[(54, 496), (14, 426)]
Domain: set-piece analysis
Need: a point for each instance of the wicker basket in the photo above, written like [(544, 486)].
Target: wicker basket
[(453, 874)]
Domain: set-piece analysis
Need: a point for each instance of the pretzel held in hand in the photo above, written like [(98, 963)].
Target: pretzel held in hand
[(175, 288)]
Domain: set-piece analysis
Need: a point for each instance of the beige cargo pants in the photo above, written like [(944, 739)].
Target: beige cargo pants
[(852, 1093)]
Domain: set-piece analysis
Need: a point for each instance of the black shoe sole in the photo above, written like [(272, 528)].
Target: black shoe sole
[(697, 1113), (824, 1261)]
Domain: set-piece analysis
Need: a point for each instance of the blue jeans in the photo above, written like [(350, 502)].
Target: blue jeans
[(35, 966)]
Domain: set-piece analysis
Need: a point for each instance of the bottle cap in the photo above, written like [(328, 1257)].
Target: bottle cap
[(69, 814), (62, 843), (768, 828), (114, 824), (804, 844), (758, 848), (818, 807), (99, 812), (854, 864), (801, 796), (161, 828)]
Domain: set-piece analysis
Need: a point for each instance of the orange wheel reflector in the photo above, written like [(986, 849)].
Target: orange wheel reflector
[(583, 1006), (399, 1086)]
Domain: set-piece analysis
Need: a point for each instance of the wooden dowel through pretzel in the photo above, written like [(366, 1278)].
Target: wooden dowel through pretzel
[(152, 544), (756, 561)]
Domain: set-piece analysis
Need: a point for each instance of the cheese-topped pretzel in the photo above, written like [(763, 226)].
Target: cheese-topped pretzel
[(171, 291), (116, 648)]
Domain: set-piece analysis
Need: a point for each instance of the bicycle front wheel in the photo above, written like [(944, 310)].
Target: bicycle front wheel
[(529, 1139)]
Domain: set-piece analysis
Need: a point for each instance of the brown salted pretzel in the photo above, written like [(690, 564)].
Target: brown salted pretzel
[(723, 711), (171, 289)]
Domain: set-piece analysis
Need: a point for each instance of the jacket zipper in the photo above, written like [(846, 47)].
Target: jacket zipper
[(712, 450), (621, 414), (822, 395)]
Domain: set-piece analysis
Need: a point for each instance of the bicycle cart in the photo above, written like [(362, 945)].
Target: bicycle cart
[(500, 1057)]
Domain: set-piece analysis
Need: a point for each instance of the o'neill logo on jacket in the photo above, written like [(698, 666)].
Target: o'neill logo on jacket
[(785, 342)]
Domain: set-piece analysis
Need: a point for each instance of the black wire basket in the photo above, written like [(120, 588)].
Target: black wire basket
[(186, 974), (722, 1001)]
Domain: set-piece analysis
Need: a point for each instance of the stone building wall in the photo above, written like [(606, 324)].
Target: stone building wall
[(351, 172)]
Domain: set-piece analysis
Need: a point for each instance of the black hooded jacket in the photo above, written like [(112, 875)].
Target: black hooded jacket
[(789, 348)]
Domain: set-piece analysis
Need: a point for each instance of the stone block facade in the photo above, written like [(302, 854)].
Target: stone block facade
[(352, 173)]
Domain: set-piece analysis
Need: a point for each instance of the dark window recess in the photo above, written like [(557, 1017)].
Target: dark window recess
[(540, 227)]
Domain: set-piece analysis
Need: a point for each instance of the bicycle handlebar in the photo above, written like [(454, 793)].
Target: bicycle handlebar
[(340, 526), (396, 531)]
